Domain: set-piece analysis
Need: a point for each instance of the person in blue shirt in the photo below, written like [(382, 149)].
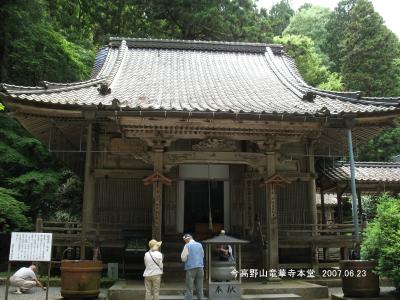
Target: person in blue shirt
[(193, 257)]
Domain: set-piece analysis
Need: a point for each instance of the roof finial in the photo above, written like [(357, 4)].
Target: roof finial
[(104, 89), (309, 96)]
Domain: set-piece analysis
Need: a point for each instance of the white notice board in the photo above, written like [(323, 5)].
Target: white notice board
[(30, 246)]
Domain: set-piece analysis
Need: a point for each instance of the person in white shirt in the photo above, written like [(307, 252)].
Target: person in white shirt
[(153, 260), (25, 279)]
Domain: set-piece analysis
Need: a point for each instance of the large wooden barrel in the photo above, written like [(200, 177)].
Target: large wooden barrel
[(80, 278), (358, 280)]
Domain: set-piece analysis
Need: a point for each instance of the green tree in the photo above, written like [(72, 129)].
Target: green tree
[(335, 28), (382, 238), (31, 50), (12, 213), (369, 53), (309, 62), (381, 148), (310, 22), (69, 196), (280, 15), (32, 177), (229, 20)]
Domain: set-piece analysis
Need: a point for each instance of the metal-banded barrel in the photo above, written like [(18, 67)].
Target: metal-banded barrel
[(80, 278), (358, 280)]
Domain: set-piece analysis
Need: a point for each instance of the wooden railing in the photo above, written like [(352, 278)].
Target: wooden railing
[(293, 230), (67, 233), (319, 235)]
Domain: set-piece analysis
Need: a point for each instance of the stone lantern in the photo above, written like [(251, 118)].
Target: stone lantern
[(224, 280)]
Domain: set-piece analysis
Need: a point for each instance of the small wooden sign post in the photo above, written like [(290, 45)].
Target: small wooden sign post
[(157, 180), (32, 247)]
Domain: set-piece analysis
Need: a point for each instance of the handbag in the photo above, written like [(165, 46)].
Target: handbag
[(155, 262)]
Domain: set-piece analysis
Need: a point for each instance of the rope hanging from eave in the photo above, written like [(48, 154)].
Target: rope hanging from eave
[(210, 222)]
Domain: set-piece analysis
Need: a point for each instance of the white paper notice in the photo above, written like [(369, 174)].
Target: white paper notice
[(30, 246)]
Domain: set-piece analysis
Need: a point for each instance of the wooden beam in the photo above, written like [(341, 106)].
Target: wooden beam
[(254, 160), (157, 192)]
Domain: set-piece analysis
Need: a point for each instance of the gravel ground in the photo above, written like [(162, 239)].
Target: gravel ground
[(36, 294)]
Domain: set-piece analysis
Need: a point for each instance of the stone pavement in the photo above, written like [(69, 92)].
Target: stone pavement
[(38, 294), (34, 294)]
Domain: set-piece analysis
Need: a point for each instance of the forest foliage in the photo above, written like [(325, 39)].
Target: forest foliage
[(348, 48)]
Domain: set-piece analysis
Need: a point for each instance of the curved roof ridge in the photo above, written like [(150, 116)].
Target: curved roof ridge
[(348, 96), (298, 92), (56, 88), (117, 64), (293, 70), (6, 87), (54, 85), (101, 59), (193, 45), (382, 99), (344, 97)]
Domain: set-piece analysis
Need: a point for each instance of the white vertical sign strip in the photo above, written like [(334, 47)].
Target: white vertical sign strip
[(30, 246)]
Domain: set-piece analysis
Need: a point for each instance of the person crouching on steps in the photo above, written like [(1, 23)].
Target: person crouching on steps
[(153, 260)]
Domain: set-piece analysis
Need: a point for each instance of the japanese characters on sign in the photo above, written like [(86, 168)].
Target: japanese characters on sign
[(274, 273), (225, 291), (30, 246)]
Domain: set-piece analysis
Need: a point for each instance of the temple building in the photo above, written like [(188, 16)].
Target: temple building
[(195, 136)]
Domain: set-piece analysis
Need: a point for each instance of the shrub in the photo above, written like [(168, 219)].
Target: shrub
[(382, 238)]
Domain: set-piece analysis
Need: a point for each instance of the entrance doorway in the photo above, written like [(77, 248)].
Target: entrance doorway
[(192, 201), (201, 198)]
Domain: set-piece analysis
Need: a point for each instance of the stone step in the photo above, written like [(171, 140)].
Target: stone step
[(286, 289), (177, 297), (271, 296)]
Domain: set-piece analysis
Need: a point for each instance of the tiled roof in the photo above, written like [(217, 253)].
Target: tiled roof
[(329, 198), (146, 74), (385, 172)]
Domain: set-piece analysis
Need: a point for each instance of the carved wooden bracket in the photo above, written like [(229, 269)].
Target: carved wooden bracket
[(275, 180), (215, 144), (157, 177), (159, 142)]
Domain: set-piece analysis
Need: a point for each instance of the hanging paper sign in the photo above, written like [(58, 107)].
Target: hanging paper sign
[(30, 246)]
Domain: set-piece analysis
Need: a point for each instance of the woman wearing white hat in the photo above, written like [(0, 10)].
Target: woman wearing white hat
[(153, 260)]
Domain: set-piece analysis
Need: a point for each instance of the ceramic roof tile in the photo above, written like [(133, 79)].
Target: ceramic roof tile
[(203, 76), (366, 172)]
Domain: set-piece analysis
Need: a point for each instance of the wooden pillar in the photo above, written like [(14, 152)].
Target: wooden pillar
[(312, 188), (88, 189), (157, 195), (339, 194), (323, 216), (344, 251), (312, 195), (323, 219), (39, 223), (272, 215), (248, 211), (360, 210)]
